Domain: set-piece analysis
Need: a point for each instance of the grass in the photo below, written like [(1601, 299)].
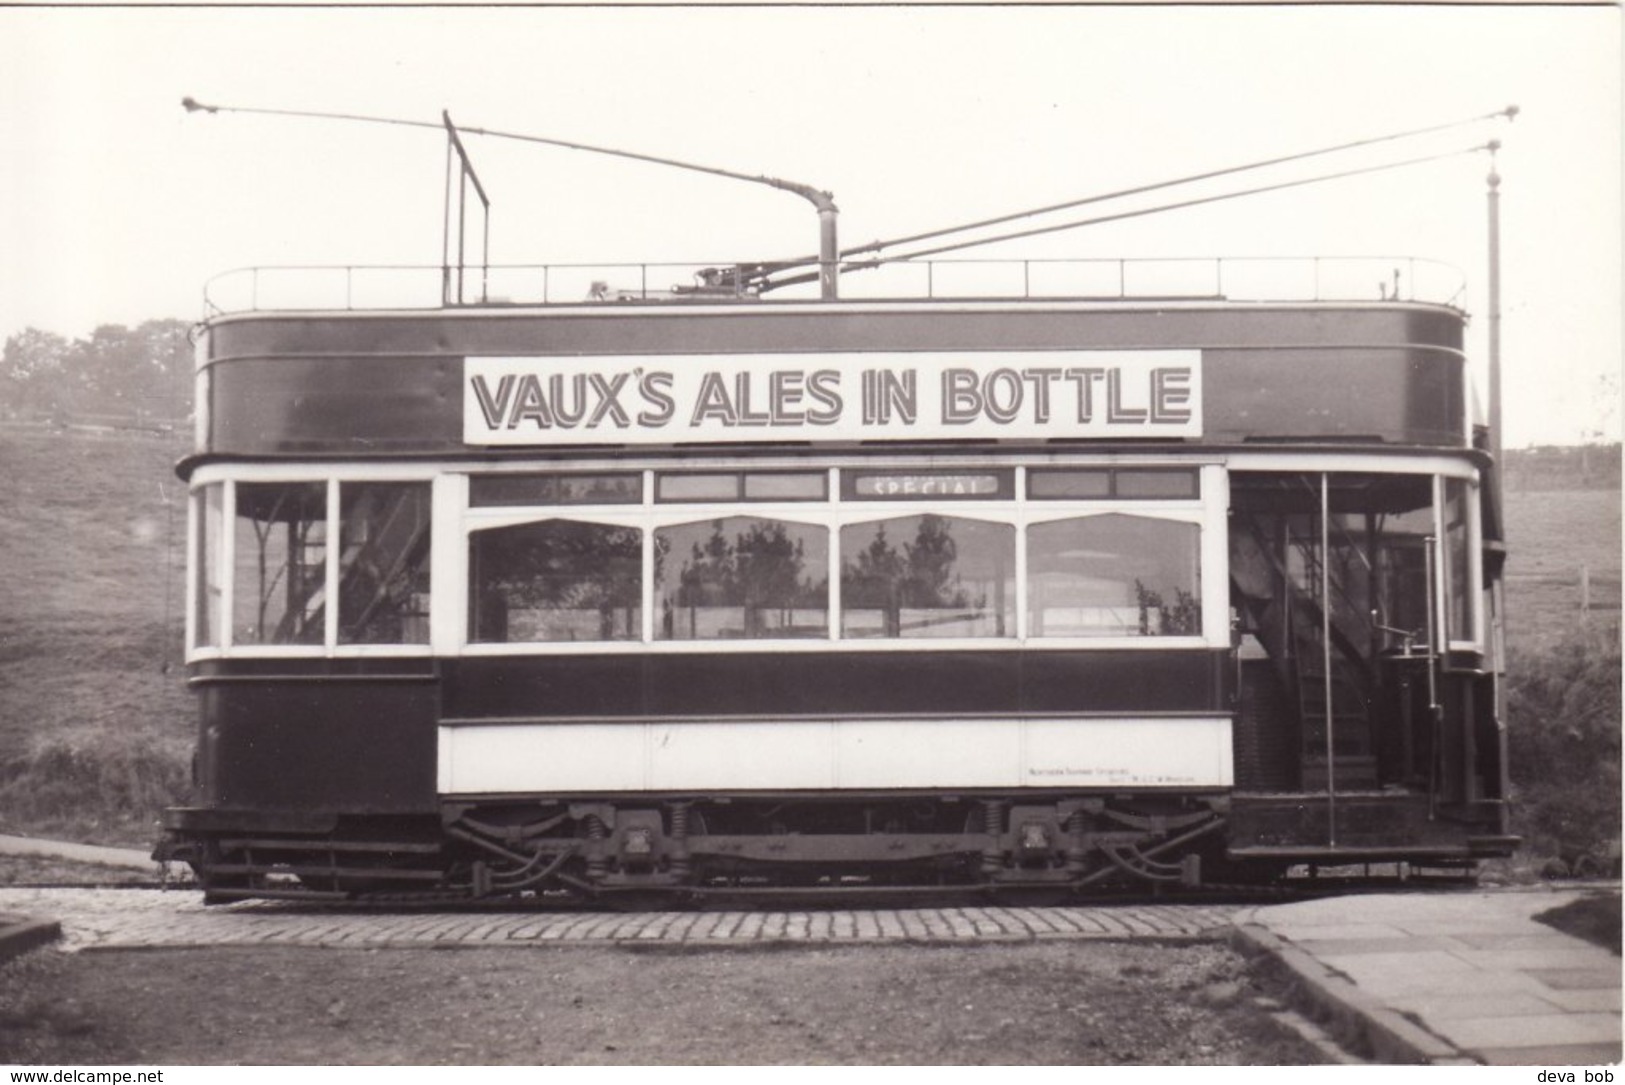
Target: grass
[(1595, 919), (1550, 536), (95, 721)]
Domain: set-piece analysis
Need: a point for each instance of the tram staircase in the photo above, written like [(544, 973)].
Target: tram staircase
[(379, 556), (1294, 635)]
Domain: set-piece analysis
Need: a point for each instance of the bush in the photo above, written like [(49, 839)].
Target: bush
[(105, 785), (1563, 743)]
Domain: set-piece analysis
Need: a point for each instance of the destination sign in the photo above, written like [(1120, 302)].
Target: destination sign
[(897, 396)]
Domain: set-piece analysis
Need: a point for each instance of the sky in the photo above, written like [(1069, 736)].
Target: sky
[(116, 205)]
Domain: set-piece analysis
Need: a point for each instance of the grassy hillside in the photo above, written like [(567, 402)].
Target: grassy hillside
[(96, 724), (1551, 535), (95, 721)]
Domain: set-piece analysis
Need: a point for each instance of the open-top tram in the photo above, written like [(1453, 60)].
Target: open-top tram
[(708, 593)]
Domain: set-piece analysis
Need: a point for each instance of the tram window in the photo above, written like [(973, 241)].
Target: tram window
[(1164, 483), (1114, 576), (786, 486), (555, 489), (1160, 483), (1458, 569), (1068, 484), (743, 486), (281, 558), (741, 577), (928, 576), (556, 580), (722, 487), (210, 592), (384, 563), (1401, 570)]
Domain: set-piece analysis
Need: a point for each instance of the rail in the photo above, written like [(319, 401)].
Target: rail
[(1248, 278)]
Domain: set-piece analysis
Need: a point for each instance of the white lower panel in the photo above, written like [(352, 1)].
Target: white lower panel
[(833, 754)]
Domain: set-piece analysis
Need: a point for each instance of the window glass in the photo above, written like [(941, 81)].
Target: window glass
[(1064, 484), (928, 576), (1401, 572), (1458, 567), (697, 487), (384, 563), (281, 557), (556, 580), (776, 486), (1114, 576), (210, 531), (554, 489), (1165, 483), (741, 577)]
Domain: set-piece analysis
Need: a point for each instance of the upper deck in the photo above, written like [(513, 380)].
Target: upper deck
[(1365, 353)]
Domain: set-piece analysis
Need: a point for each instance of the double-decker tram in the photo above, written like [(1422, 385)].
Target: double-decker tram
[(709, 591)]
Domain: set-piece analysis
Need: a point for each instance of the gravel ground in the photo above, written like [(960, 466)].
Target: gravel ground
[(1053, 1003)]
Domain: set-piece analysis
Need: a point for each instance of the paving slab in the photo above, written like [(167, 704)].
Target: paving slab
[(1559, 1055), (1530, 1030), (1448, 978)]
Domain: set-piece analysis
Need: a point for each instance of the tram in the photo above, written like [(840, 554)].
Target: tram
[(697, 591)]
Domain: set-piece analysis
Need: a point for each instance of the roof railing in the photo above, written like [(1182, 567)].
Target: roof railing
[(361, 288)]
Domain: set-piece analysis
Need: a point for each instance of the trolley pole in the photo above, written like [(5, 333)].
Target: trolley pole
[(829, 254), (1494, 208), (829, 249)]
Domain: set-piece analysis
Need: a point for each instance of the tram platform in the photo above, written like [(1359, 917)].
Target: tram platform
[(1461, 978)]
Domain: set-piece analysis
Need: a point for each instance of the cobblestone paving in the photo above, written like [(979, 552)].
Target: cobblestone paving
[(135, 918)]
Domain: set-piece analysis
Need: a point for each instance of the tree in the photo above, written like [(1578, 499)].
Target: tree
[(31, 364), (142, 374)]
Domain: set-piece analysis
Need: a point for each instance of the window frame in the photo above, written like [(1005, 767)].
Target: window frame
[(908, 509), (1141, 509), (330, 477), (1438, 470), (751, 510), (1206, 512)]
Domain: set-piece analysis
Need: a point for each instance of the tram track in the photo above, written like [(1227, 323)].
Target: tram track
[(776, 898)]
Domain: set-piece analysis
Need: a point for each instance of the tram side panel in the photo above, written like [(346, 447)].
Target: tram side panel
[(294, 747), (735, 723)]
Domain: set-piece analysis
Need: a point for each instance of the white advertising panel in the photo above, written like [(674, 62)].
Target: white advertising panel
[(900, 396), (744, 755)]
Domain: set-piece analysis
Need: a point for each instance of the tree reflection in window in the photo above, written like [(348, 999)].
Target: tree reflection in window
[(927, 576), (1114, 576), (556, 580), (742, 577)]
